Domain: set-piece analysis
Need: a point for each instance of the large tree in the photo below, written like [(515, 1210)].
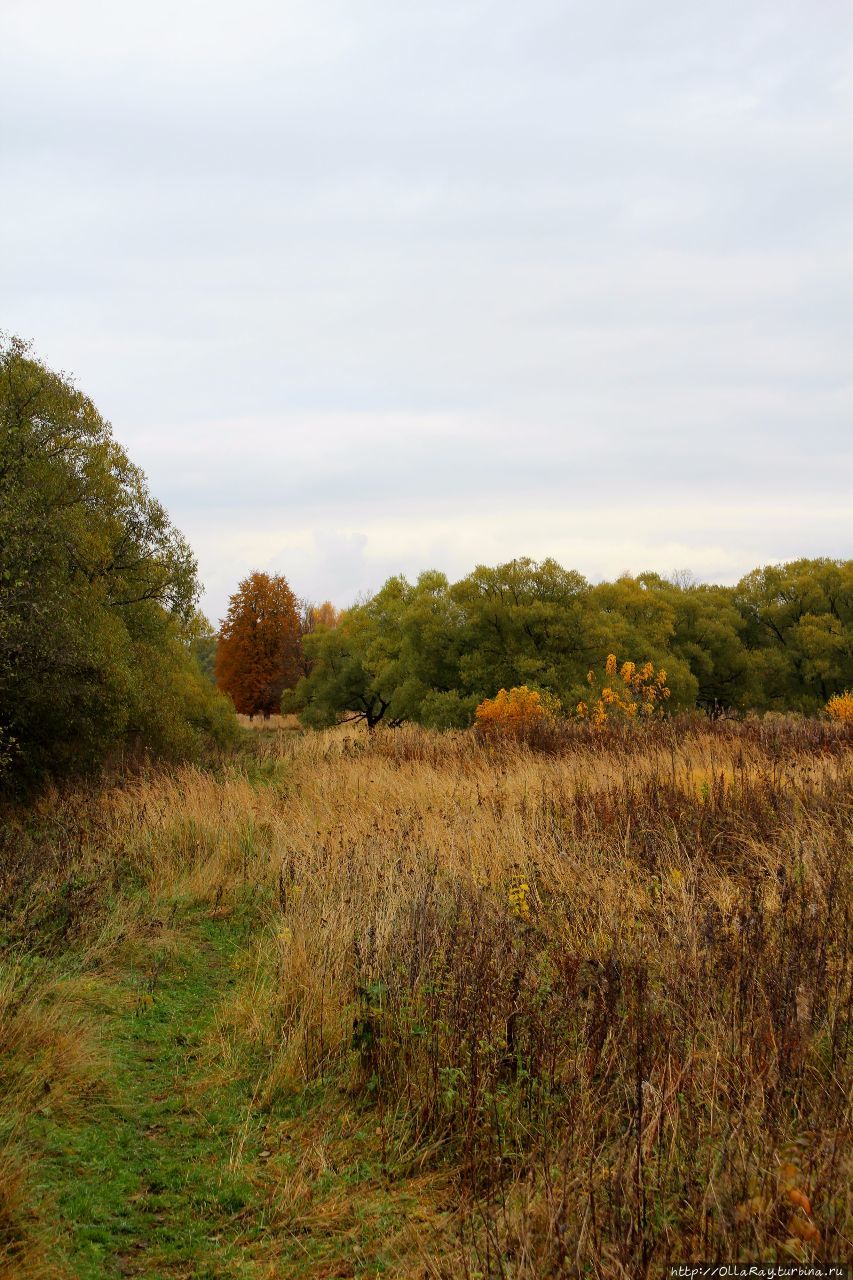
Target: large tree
[(393, 658), (799, 627), (259, 654), (97, 590), (353, 667), (522, 623)]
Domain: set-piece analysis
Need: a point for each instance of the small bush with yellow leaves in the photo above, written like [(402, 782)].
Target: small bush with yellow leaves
[(840, 707), (515, 714), (628, 692)]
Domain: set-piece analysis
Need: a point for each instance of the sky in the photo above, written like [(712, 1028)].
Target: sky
[(375, 287)]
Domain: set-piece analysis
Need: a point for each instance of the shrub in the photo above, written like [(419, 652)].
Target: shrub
[(515, 714), (625, 693), (840, 707)]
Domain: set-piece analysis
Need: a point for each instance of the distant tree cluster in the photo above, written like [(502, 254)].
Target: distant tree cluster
[(433, 651), (98, 590)]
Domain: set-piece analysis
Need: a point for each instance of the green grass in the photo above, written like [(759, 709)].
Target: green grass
[(158, 1177), (173, 1169)]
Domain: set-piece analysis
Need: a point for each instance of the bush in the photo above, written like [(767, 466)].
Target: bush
[(516, 714), (840, 707), (626, 693)]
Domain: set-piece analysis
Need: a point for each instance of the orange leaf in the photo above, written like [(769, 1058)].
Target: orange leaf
[(803, 1230), (800, 1198)]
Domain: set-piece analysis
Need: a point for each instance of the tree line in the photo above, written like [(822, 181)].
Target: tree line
[(104, 653), (431, 651)]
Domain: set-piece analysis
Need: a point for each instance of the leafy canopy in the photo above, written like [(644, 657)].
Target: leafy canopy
[(97, 592), (433, 651), (259, 654)]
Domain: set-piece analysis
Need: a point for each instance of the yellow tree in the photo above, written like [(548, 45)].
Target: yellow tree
[(319, 615), (259, 653)]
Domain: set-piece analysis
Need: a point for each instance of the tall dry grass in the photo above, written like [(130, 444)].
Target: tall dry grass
[(604, 985)]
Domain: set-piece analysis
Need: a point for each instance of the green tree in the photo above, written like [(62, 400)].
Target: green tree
[(433, 637), (630, 618), (97, 590), (313, 618), (340, 684), (203, 647), (355, 667), (522, 623), (799, 626), (708, 634), (390, 659), (432, 651)]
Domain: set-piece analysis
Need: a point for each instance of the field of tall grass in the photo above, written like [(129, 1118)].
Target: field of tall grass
[(590, 997)]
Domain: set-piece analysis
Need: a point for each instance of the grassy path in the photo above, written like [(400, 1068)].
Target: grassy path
[(156, 1182), (175, 1172)]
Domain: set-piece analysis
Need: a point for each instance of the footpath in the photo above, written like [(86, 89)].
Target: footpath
[(176, 1172)]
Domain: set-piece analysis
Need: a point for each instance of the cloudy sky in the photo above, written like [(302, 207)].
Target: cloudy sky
[(375, 286)]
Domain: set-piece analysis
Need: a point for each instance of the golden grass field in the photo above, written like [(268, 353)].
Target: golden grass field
[(289, 723), (590, 1007)]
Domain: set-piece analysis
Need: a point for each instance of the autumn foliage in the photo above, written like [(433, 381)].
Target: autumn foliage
[(840, 707), (514, 714), (316, 616), (260, 651), (624, 693)]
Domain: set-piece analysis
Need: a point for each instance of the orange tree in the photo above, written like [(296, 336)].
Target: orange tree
[(259, 653), (625, 693)]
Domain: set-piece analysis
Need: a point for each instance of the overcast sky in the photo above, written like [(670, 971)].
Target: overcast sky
[(377, 286)]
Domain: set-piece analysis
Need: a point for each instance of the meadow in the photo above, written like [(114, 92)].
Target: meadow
[(415, 1004)]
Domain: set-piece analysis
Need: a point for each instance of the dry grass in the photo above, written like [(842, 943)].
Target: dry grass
[(604, 986), (289, 723)]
